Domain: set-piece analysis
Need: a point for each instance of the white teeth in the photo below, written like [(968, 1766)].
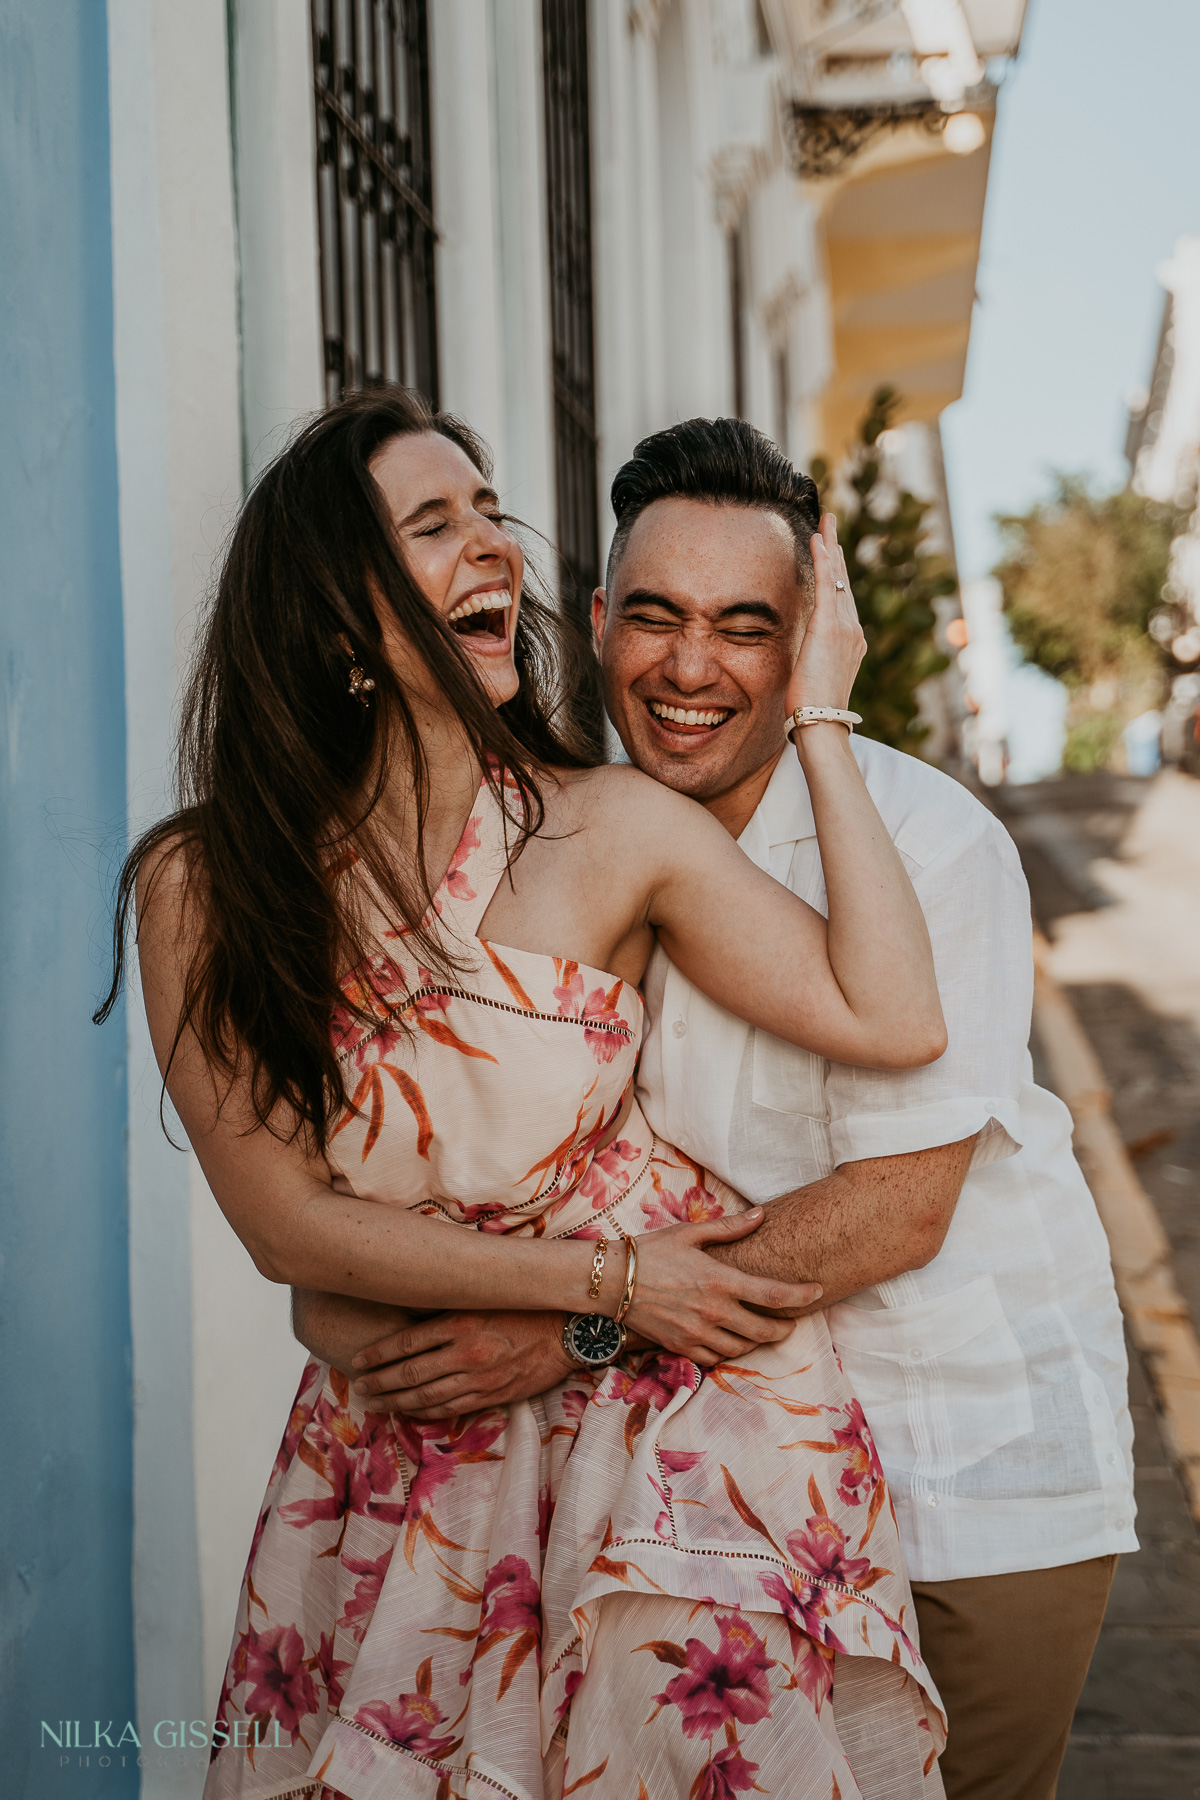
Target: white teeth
[(676, 715), (476, 603)]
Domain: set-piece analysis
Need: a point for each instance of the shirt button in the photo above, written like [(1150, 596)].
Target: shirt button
[(916, 1355), (1110, 1457), (1122, 1522), (679, 1028), (931, 1499)]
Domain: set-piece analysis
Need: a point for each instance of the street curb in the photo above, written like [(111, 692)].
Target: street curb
[(1155, 1312)]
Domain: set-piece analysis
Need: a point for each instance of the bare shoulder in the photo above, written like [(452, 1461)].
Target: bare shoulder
[(618, 800), (169, 907)]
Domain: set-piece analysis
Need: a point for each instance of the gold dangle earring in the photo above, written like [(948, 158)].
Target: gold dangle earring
[(361, 684)]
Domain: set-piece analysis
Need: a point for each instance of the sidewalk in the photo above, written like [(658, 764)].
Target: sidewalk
[(1114, 870), (1136, 1734)]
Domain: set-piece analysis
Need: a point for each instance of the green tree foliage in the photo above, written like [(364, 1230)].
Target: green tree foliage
[(1082, 573), (894, 582)]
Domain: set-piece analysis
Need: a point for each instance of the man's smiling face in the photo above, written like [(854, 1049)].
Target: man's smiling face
[(698, 638)]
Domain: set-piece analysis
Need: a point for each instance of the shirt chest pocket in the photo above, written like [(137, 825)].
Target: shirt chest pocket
[(943, 1382), (787, 1080)]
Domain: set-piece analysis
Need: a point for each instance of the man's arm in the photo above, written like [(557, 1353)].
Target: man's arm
[(863, 1224), (334, 1327)]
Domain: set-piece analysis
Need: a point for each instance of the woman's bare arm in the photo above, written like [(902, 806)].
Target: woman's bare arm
[(279, 1199), (335, 1327), (860, 989)]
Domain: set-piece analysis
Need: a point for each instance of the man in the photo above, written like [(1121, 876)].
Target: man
[(963, 1265)]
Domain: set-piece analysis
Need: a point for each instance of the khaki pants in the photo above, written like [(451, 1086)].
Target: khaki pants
[(1009, 1654)]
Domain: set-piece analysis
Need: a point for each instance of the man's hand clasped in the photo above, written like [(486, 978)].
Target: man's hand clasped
[(685, 1302)]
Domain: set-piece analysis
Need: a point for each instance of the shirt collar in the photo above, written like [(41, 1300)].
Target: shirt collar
[(784, 814)]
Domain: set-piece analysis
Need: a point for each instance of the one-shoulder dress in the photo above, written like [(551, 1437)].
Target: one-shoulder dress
[(653, 1581)]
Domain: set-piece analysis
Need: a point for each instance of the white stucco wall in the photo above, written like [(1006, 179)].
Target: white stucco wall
[(525, 446), (465, 202), (214, 1362), (178, 454), (274, 133)]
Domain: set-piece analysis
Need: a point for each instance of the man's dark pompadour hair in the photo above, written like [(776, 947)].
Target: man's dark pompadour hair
[(725, 461)]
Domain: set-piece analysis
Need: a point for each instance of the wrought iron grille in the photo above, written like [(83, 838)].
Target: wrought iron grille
[(782, 381), (375, 194), (569, 206), (736, 257)]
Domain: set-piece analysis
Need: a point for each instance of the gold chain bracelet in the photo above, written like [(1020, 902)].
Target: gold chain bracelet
[(597, 1269)]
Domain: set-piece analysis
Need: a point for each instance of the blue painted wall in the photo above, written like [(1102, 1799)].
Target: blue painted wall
[(66, 1525)]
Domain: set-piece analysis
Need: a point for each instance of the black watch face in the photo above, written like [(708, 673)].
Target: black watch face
[(595, 1338)]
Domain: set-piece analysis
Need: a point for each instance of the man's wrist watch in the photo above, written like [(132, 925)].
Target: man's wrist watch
[(592, 1339)]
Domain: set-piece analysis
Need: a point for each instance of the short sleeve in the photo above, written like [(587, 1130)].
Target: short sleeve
[(976, 904)]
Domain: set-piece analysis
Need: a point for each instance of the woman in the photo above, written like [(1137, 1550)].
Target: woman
[(389, 950)]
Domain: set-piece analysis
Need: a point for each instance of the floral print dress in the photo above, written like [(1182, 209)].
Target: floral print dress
[(655, 1580)]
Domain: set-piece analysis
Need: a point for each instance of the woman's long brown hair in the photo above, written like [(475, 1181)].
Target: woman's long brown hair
[(279, 769)]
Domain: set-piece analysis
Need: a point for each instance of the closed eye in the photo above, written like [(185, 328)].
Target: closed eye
[(431, 531), (656, 619)]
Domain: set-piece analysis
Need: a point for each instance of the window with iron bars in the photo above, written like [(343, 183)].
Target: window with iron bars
[(375, 194), (569, 210)]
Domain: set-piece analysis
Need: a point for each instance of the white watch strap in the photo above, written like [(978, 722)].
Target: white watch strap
[(820, 715)]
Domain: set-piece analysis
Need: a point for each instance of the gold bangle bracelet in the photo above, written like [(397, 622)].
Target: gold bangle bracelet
[(597, 1269), (630, 1278)]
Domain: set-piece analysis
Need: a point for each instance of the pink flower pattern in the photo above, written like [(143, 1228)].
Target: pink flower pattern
[(511, 1598), (360, 1608), (607, 1173), (861, 1472), (418, 1590), (412, 1721), (820, 1549), (716, 1688), (330, 1669), (596, 1009), (727, 1775), (278, 1683), (457, 884)]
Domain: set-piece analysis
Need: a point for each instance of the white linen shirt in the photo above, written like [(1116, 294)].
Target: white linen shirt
[(994, 1379)]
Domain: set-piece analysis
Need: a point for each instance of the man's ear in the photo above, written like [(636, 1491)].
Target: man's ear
[(599, 617)]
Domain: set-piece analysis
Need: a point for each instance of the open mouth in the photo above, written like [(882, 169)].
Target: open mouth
[(482, 616), (688, 721)]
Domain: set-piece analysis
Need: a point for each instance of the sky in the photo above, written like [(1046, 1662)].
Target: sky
[(1095, 173)]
